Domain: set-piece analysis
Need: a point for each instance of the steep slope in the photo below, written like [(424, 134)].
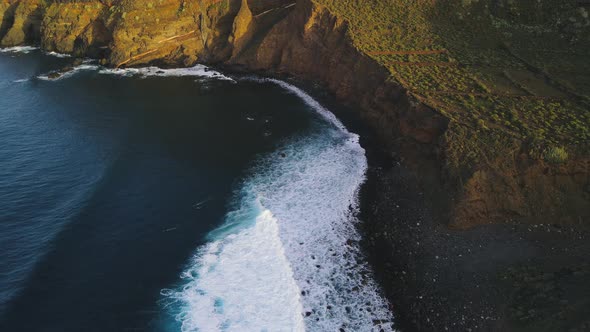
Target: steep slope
[(512, 79)]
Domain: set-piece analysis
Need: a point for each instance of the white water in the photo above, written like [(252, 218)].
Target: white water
[(227, 272), (68, 74), (29, 49), (18, 49), (287, 259), (198, 71), (58, 55)]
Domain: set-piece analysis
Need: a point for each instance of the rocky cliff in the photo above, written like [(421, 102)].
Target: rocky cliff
[(490, 171)]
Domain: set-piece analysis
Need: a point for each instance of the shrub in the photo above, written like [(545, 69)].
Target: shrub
[(555, 155)]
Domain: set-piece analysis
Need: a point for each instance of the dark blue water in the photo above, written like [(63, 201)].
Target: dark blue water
[(108, 184), (176, 200)]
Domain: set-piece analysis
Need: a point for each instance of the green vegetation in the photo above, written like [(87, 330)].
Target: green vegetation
[(555, 155), (509, 74)]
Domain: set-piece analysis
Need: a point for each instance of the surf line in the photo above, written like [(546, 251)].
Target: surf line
[(287, 258)]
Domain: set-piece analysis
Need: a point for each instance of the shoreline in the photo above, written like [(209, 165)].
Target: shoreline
[(495, 277), (491, 277)]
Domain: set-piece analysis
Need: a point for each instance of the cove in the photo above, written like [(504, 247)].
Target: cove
[(179, 199)]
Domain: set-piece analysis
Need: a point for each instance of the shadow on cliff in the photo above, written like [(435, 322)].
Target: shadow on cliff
[(7, 20), (30, 33), (94, 41)]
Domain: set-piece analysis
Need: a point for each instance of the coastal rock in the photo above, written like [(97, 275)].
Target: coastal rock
[(75, 28), (21, 22), (54, 75)]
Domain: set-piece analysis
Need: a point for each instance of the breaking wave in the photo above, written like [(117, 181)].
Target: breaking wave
[(18, 49), (287, 258), (198, 71), (195, 71)]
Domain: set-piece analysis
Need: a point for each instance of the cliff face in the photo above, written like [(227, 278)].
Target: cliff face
[(21, 22), (310, 40), (133, 33)]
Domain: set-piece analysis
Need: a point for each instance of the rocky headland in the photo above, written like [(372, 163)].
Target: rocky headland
[(478, 201)]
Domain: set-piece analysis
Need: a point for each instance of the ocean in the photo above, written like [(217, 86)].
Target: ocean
[(176, 200)]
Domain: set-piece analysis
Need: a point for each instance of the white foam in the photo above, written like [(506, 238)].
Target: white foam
[(242, 283), (18, 49), (22, 80), (314, 104), (58, 55), (312, 193), (70, 73), (196, 71)]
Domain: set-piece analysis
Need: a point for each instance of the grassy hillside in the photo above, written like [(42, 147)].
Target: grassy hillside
[(510, 74)]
